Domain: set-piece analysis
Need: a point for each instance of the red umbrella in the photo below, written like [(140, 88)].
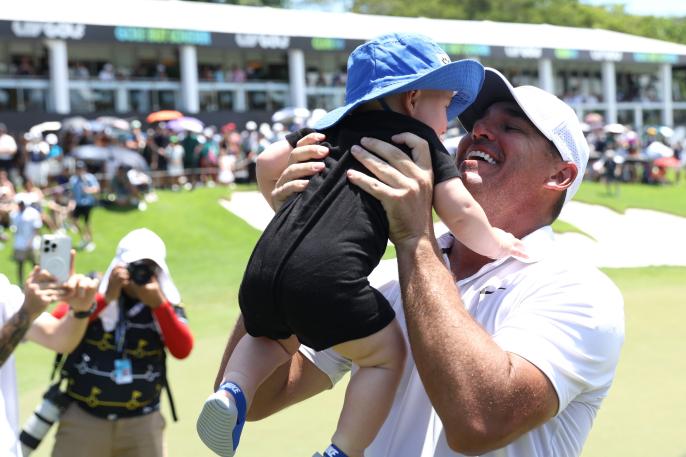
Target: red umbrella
[(164, 115), (667, 162)]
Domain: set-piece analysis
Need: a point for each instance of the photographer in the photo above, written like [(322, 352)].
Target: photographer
[(116, 374), (22, 316)]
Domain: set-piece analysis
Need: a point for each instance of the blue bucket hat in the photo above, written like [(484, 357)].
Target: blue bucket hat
[(400, 62)]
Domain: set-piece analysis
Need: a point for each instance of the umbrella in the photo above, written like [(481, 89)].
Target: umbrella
[(76, 124), (614, 128), (190, 124), (656, 149), (50, 126), (113, 155), (290, 113), (164, 115), (665, 131), (667, 162), (114, 122)]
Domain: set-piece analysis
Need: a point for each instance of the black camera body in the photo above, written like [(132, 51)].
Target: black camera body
[(140, 272), (44, 416)]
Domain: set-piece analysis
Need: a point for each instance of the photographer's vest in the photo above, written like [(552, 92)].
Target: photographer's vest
[(94, 373)]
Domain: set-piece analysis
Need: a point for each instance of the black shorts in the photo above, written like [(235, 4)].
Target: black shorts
[(308, 273), (82, 212)]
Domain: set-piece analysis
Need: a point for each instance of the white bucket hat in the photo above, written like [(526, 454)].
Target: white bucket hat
[(556, 120), (137, 245)]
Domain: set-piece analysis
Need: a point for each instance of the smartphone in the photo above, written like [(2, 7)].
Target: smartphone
[(55, 255)]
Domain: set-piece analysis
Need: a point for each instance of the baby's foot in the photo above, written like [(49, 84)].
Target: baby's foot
[(221, 420)]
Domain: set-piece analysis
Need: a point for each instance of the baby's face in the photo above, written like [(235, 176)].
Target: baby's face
[(431, 108)]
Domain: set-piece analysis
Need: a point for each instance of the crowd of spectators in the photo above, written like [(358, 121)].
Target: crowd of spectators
[(29, 66), (42, 168), (622, 154), (117, 164)]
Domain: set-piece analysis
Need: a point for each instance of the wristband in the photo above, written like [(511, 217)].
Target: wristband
[(86, 313)]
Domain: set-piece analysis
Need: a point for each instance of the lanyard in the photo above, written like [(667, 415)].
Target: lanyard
[(120, 331)]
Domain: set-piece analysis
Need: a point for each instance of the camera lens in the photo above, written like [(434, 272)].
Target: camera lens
[(141, 272)]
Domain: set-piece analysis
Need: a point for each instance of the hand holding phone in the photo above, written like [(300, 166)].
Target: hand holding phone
[(55, 256)]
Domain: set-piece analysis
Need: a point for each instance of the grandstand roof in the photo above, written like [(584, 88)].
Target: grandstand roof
[(211, 17)]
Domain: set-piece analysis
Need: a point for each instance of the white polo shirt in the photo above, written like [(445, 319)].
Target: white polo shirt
[(564, 317), (11, 300)]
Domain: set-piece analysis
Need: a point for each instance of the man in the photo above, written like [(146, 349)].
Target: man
[(26, 221), (116, 374), (22, 316), (510, 358), (84, 189)]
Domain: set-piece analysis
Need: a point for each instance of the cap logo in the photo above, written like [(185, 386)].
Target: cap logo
[(443, 58)]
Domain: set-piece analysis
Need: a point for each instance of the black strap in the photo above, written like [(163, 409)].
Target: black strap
[(57, 365), (169, 395)]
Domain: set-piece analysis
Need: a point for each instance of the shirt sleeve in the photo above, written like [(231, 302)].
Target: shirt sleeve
[(174, 327), (296, 136), (443, 164), (572, 332)]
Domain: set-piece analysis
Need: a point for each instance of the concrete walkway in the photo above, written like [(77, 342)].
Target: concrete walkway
[(637, 238)]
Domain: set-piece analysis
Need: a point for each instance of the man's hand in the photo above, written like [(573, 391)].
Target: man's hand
[(404, 186), (150, 294), (80, 292), (119, 278), (303, 162), (40, 289)]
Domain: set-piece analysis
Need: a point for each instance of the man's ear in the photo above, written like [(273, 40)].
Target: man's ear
[(563, 176)]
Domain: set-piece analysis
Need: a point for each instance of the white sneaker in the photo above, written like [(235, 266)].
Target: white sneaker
[(216, 423), (90, 247)]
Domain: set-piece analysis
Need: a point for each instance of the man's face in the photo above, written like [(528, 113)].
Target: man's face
[(512, 161)]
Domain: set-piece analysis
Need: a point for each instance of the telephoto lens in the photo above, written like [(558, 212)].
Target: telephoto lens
[(46, 413)]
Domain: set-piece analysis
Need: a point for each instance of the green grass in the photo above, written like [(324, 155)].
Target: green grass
[(645, 412), (208, 249), (565, 227), (667, 198)]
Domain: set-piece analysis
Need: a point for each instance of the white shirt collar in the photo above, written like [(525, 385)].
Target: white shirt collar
[(538, 245)]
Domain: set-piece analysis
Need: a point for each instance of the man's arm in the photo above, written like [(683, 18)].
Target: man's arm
[(485, 397), (13, 332), (39, 293), (63, 335), (34, 301), (291, 383)]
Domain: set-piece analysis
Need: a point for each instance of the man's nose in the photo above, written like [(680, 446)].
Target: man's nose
[(481, 129)]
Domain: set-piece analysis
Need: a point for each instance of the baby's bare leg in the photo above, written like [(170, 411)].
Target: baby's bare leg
[(370, 393), (223, 415), (254, 359)]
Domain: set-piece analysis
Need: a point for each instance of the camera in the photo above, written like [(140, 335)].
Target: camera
[(44, 416), (141, 271)]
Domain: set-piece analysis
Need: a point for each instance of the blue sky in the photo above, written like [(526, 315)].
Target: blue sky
[(647, 7)]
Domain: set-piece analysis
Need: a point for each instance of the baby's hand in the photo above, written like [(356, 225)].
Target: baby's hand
[(509, 245)]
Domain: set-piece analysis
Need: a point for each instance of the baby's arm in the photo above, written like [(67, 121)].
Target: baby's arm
[(270, 164), (468, 222)]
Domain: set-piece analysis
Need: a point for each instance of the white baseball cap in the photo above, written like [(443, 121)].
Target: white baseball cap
[(556, 120)]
